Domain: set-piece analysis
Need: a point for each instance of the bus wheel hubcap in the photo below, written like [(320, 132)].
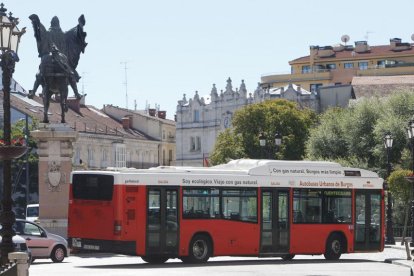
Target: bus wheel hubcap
[(200, 249), (336, 246)]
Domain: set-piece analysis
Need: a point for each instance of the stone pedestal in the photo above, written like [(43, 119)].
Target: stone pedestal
[(55, 151)]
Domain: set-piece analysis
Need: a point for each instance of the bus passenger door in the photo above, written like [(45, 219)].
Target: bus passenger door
[(162, 221), (274, 236), (367, 220)]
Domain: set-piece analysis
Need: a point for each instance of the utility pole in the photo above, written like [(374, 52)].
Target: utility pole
[(126, 83)]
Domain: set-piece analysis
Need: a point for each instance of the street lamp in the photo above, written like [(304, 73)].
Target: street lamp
[(390, 231), (410, 131), (262, 142), (9, 43), (277, 141)]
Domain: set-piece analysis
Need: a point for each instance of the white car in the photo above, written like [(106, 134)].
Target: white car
[(43, 245)]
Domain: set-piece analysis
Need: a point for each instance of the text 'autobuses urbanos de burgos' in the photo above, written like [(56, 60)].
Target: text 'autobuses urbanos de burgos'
[(246, 207)]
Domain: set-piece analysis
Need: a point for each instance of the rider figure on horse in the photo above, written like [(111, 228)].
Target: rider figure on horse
[(57, 44)]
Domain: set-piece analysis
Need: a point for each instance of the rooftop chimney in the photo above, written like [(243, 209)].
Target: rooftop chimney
[(162, 114), (125, 122), (152, 111)]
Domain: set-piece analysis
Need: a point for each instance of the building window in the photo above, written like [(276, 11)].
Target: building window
[(198, 143), (306, 69), (331, 66), (77, 156), (196, 115), (381, 63), (192, 143), (348, 65), (90, 156), (195, 143), (314, 87), (363, 65), (120, 155), (170, 157)]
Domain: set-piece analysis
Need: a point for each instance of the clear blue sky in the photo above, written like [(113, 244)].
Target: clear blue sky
[(174, 47)]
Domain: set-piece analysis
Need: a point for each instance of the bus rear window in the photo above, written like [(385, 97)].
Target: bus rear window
[(92, 186)]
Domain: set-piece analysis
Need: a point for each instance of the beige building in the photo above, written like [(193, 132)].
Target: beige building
[(154, 125), (339, 64)]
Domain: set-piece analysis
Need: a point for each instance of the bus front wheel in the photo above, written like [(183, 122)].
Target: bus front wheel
[(334, 247), (200, 250)]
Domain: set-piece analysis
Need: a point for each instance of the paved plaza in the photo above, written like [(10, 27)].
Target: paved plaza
[(392, 261)]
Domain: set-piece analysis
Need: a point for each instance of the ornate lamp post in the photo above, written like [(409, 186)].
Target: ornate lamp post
[(262, 142), (390, 231), (9, 42), (278, 140), (410, 131)]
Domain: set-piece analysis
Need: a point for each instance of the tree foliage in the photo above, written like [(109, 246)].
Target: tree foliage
[(268, 118), (399, 186), (228, 146), (355, 134), (19, 166)]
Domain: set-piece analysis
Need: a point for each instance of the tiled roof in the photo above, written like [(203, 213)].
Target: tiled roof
[(375, 51), (89, 119)]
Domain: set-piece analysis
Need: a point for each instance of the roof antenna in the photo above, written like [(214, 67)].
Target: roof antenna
[(126, 83)]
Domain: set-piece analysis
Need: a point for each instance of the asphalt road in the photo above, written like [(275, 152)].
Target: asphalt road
[(114, 265)]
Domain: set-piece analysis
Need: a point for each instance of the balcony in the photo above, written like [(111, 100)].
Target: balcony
[(318, 75)]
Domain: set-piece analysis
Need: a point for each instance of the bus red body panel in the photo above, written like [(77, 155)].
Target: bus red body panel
[(243, 208)]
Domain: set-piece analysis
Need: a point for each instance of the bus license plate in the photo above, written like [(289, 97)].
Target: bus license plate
[(76, 242)]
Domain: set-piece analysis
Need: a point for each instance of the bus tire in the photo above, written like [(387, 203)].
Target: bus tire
[(154, 259), (334, 247), (288, 257), (200, 250)]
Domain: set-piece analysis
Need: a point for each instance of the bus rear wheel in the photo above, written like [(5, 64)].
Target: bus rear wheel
[(154, 259), (200, 250), (288, 257), (334, 247)]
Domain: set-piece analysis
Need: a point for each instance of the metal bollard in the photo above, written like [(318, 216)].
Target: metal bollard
[(20, 258)]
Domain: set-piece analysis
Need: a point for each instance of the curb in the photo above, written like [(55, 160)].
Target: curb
[(400, 262)]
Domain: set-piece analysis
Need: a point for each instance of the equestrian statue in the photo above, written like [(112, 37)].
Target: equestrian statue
[(59, 54)]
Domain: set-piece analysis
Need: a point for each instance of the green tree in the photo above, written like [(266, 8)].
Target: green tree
[(228, 146), (355, 134), (400, 188), (267, 117), (19, 166)]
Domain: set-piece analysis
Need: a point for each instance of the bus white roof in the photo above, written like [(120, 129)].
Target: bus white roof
[(258, 168)]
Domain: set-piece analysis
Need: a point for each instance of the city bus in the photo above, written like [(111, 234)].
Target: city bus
[(262, 208)]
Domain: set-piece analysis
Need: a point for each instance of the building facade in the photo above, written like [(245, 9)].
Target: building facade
[(337, 65), (154, 125), (201, 119)]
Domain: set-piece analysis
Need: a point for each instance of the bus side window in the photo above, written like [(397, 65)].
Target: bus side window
[(234, 216), (298, 217)]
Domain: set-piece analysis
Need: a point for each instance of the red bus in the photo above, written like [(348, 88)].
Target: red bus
[(246, 207)]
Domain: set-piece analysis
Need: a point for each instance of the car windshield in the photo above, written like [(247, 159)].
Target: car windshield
[(33, 211), (27, 228)]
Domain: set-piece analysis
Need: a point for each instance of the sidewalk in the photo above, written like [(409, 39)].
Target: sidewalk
[(397, 245)]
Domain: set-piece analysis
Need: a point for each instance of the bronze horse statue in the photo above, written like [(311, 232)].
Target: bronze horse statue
[(59, 53)]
